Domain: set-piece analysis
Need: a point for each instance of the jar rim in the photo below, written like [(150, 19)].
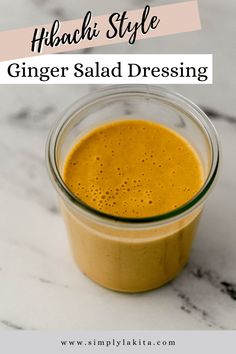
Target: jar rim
[(156, 91)]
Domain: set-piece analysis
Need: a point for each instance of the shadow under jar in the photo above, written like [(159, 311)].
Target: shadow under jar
[(132, 254)]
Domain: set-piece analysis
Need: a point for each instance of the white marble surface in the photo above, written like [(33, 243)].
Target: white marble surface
[(40, 287)]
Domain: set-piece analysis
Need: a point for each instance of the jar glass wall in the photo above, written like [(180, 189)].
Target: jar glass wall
[(132, 254)]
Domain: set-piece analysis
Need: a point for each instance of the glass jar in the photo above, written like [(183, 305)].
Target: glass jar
[(132, 254)]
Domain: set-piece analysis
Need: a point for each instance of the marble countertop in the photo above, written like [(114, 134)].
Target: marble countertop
[(41, 288)]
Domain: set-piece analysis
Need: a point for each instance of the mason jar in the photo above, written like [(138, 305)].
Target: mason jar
[(131, 254)]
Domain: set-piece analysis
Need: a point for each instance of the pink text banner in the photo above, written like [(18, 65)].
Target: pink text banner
[(126, 26)]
